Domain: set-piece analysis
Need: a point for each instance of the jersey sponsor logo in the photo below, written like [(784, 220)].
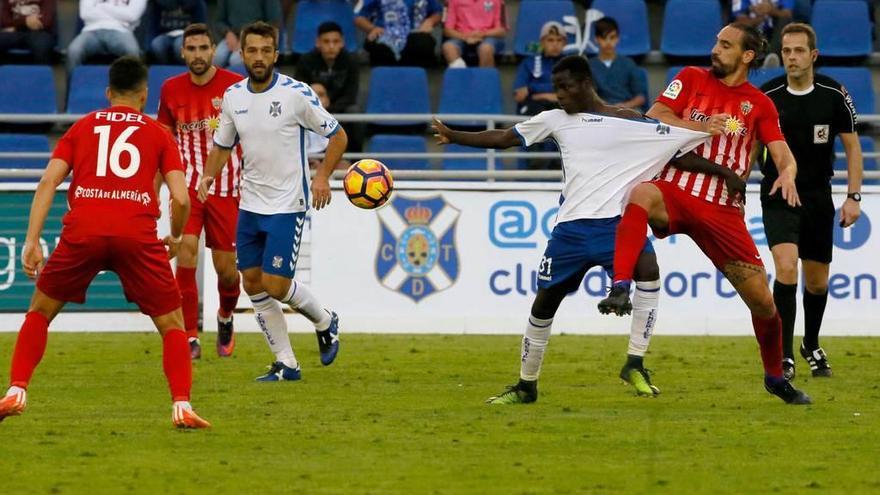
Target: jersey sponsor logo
[(821, 133), (734, 125), (114, 194), (673, 90), (417, 253), (275, 108), (746, 107), (200, 125)]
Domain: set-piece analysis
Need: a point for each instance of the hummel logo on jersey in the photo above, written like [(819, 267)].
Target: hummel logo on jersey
[(591, 119), (662, 129), (241, 112), (275, 108)]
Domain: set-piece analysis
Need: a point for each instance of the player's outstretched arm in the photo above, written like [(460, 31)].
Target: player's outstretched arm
[(714, 125), (495, 138), (180, 207), (32, 254), (787, 168), (321, 182), (691, 162), (216, 158)]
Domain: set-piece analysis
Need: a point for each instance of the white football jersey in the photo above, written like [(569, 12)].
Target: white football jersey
[(272, 127), (603, 157)]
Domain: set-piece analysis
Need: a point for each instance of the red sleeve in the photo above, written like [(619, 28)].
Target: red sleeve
[(677, 93), (169, 159), (768, 123), (65, 146), (164, 117)]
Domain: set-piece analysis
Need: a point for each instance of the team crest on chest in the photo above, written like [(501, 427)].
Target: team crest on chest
[(216, 102), (275, 108), (746, 107)]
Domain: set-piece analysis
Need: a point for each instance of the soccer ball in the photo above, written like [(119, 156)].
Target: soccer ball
[(368, 184)]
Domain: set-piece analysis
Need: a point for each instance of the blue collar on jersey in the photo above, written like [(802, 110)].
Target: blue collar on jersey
[(274, 80)]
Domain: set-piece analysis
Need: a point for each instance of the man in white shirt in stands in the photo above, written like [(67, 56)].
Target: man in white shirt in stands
[(108, 29)]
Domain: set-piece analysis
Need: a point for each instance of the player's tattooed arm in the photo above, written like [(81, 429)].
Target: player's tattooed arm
[(495, 138), (691, 162)]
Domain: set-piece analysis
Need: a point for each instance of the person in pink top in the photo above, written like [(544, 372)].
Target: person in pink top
[(474, 25)]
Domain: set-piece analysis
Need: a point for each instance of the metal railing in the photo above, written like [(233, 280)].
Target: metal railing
[(491, 156)]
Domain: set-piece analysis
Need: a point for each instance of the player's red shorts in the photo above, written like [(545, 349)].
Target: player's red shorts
[(142, 266), (218, 216), (718, 230)]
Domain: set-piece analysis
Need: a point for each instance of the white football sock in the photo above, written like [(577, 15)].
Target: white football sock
[(644, 315), (300, 298), (534, 343), (271, 320)]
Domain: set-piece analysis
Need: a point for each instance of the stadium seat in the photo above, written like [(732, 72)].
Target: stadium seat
[(85, 91), (857, 81), (31, 143), (690, 27), (312, 13), (533, 15), (392, 143), (157, 75), (27, 89), (870, 164), (672, 72), (760, 76), (843, 28), (471, 90), (398, 90), (649, 97), (632, 17), (465, 163)]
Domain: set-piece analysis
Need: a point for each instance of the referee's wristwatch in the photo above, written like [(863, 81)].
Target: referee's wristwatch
[(857, 197)]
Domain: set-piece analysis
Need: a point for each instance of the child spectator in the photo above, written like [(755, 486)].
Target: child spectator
[(617, 78), (474, 26), (533, 87)]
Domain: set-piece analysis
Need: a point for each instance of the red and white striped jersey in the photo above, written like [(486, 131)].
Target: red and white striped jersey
[(695, 94), (193, 114)]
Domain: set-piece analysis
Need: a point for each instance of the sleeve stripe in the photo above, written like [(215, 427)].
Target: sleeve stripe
[(521, 138), (850, 110)]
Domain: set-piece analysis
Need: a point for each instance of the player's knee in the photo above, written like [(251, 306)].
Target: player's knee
[(546, 303), (763, 305), (644, 195), (228, 277), (647, 268), (188, 255), (251, 285), (816, 286), (787, 271), (275, 286)]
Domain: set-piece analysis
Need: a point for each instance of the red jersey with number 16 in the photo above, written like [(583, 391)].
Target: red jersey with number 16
[(695, 94), (193, 114), (114, 155)]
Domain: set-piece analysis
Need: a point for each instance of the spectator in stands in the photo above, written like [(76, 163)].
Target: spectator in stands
[(533, 87), (108, 29), (166, 20), (770, 16), (331, 67), (399, 31), (474, 26), (316, 143), (617, 77), (231, 16), (28, 24)]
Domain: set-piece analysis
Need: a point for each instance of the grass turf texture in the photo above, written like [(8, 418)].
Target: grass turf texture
[(405, 414)]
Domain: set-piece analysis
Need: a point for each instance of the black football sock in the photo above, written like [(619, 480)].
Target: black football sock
[(784, 295), (634, 361), (814, 310)]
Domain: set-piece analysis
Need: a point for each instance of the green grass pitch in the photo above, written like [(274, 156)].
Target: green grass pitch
[(405, 414)]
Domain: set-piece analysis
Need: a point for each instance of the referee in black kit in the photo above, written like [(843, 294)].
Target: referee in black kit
[(813, 110)]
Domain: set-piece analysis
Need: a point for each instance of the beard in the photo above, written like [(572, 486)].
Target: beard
[(719, 70), (199, 67), (267, 73)]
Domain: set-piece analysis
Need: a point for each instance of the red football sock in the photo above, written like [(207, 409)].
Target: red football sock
[(768, 331), (630, 241), (189, 293), (177, 364), (229, 297), (29, 348)]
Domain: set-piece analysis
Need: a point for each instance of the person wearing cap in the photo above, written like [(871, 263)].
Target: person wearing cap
[(474, 26), (617, 77), (532, 88)]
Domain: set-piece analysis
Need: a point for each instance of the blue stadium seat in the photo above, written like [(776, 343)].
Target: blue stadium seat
[(672, 72), (857, 81), (649, 96), (159, 74), (465, 163), (760, 76), (533, 15), (34, 143), (312, 13), (690, 27), (870, 164), (27, 89), (843, 28), (85, 90), (394, 143), (471, 90), (632, 17), (398, 90)]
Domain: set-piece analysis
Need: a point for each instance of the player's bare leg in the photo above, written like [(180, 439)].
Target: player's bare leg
[(815, 298), (187, 261), (228, 287), (300, 298), (29, 348), (270, 318), (750, 282), (785, 259), (178, 369)]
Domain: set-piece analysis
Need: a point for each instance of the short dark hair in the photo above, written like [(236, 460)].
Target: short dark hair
[(800, 27), (329, 27), (127, 74), (576, 65), (259, 28), (198, 29), (753, 39), (606, 26)]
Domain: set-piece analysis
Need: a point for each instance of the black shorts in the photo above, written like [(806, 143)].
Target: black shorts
[(810, 226)]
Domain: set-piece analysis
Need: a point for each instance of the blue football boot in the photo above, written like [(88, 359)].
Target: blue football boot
[(328, 340), (279, 372)]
